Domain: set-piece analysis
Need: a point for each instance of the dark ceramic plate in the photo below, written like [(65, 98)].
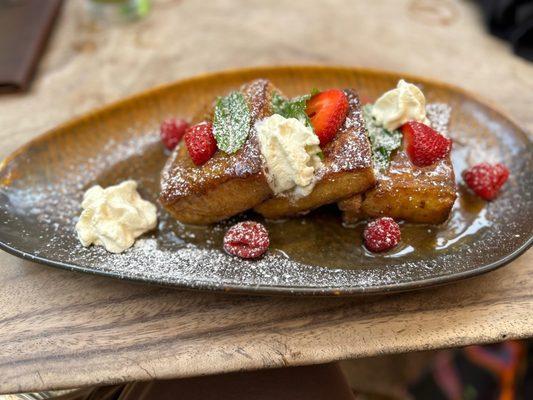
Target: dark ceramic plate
[(41, 186)]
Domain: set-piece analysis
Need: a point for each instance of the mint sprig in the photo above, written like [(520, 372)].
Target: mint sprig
[(291, 108), (383, 142), (231, 122)]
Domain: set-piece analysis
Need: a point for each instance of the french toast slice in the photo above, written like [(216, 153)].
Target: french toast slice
[(407, 192), (226, 184), (347, 169)]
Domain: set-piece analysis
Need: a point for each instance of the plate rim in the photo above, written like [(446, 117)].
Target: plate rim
[(282, 290), (271, 289)]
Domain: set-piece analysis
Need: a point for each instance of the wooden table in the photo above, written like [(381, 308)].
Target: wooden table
[(60, 329)]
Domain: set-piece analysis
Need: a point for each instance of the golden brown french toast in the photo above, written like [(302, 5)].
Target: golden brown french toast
[(226, 184), (229, 184), (347, 169), (407, 192)]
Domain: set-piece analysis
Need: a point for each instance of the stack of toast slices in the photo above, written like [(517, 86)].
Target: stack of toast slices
[(229, 184)]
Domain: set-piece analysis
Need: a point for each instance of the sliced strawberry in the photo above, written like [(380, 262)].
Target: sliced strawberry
[(200, 142), (423, 145), (486, 180), (327, 111)]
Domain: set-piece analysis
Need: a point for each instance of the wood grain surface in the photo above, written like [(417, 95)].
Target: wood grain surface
[(60, 329)]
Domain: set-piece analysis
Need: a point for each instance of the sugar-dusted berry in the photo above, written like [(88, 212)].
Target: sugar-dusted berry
[(382, 234), (247, 239), (485, 179), (200, 142)]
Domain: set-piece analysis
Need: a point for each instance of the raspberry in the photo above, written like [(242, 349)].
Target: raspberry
[(171, 131), (382, 234), (200, 142), (486, 180), (423, 145), (247, 239)]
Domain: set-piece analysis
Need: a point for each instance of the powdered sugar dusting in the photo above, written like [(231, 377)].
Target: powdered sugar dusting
[(209, 268), (440, 174), (439, 116), (382, 234), (181, 178), (247, 239), (350, 150)]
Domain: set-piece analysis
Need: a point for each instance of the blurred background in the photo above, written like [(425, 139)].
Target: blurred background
[(59, 59), (97, 52)]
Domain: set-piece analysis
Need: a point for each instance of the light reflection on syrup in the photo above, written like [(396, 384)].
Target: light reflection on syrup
[(468, 218), (461, 225), (402, 251), (321, 239)]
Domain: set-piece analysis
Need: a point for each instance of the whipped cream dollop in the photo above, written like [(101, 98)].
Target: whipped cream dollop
[(292, 154), (397, 106), (115, 216)]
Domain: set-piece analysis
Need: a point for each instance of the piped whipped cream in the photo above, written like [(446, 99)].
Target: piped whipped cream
[(292, 154), (115, 216), (397, 106)]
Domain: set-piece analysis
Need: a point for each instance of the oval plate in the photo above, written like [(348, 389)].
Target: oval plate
[(41, 186)]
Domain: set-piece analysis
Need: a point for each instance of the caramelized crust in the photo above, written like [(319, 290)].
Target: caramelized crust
[(347, 169), (226, 184), (229, 184), (407, 192)]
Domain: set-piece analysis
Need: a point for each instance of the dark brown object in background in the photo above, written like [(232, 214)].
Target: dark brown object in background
[(24, 28), (317, 382), (511, 20)]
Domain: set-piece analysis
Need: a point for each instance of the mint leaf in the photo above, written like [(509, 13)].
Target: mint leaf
[(291, 108), (277, 102), (231, 122), (383, 142)]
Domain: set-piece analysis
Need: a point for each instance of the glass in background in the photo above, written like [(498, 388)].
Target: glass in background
[(118, 10)]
